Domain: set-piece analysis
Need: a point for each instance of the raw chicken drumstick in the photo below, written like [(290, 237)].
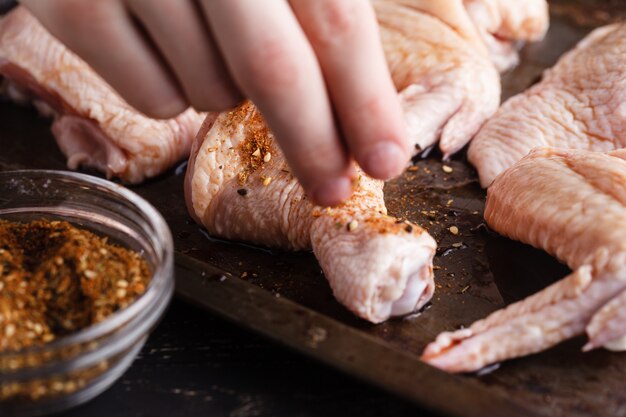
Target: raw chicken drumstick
[(93, 125), (580, 103), (448, 89), (239, 187), (571, 203)]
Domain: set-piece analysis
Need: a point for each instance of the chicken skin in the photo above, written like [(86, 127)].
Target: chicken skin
[(239, 187), (579, 104), (493, 27), (441, 55), (503, 24), (377, 267), (571, 203), (448, 89), (93, 125)]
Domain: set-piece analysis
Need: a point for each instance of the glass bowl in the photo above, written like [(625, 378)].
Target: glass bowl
[(73, 369)]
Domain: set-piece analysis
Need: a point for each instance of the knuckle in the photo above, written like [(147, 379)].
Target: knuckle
[(323, 160), (137, 4), (270, 67), (376, 106), (333, 21), (372, 112), (81, 15)]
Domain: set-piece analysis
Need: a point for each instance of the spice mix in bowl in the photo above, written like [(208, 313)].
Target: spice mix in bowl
[(86, 271)]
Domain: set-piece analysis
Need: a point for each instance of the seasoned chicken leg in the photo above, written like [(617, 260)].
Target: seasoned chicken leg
[(571, 203), (93, 125), (239, 187), (580, 103), (448, 89)]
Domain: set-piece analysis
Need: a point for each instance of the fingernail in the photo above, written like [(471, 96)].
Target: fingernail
[(333, 192), (385, 160)]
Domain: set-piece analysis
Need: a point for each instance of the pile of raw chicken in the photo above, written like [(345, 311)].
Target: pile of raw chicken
[(550, 158)]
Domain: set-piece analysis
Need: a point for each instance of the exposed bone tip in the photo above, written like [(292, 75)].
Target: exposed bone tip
[(449, 364), (434, 355), (589, 346), (443, 354), (446, 341), (432, 361)]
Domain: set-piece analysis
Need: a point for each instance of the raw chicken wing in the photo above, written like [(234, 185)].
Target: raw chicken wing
[(493, 27), (503, 24), (447, 88), (93, 126), (571, 203), (580, 103)]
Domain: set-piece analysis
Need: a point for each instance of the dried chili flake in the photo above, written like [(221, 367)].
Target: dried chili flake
[(257, 147)]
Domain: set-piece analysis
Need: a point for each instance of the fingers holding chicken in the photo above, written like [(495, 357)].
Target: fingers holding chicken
[(571, 203), (239, 187)]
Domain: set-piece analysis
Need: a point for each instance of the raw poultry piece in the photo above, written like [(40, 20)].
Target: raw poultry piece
[(93, 125), (571, 203), (494, 27), (239, 187), (504, 24), (447, 88), (453, 13), (580, 103)]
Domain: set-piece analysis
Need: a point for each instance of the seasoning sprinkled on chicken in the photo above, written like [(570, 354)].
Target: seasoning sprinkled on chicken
[(376, 266)]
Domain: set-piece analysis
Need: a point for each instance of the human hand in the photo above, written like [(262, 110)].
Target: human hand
[(315, 69)]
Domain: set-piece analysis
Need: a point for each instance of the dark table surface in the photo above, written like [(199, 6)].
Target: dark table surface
[(196, 364)]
